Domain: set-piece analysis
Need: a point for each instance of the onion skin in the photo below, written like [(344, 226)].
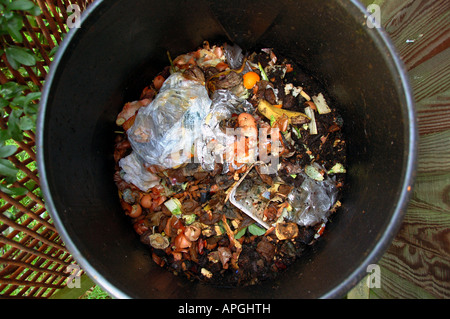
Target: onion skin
[(136, 211), (192, 232), (158, 82), (140, 227), (182, 242), (146, 201)]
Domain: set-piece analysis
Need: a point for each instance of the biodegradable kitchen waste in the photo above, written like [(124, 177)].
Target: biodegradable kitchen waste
[(229, 177)]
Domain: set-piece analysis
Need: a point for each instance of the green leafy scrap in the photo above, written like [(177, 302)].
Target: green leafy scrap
[(256, 230)]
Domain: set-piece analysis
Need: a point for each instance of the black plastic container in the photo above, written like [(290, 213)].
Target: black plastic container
[(122, 44)]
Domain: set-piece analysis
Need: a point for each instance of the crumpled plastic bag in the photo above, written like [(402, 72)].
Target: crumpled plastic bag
[(235, 57), (164, 131), (312, 201), (214, 141), (135, 173)]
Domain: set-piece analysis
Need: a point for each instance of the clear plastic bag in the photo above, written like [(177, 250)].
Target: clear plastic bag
[(214, 141), (164, 132), (235, 57), (135, 173), (312, 201)]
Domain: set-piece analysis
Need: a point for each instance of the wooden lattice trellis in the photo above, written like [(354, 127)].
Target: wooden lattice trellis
[(33, 259)]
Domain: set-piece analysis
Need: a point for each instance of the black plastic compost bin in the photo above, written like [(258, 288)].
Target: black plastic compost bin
[(116, 52)]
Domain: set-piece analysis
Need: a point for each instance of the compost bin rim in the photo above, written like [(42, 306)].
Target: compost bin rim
[(396, 66), (96, 276), (398, 70)]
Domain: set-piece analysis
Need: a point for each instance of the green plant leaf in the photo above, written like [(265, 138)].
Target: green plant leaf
[(13, 25), (8, 14), (15, 191), (18, 101), (10, 180), (53, 51), (14, 125), (18, 191), (20, 56), (33, 96), (11, 90), (14, 64), (4, 136), (20, 5), (35, 11), (7, 150), (3, 102), (31, 110), (240, 233), (14, 33), (256, 230), (7, 168), (26, 123), (29, 98)]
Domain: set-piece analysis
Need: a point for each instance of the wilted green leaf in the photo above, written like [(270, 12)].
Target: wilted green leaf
[(314, 173)]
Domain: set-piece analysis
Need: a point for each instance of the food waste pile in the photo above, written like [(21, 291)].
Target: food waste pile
[(229, 164)]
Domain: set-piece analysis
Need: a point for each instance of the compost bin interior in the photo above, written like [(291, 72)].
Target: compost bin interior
[(122, 44)]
